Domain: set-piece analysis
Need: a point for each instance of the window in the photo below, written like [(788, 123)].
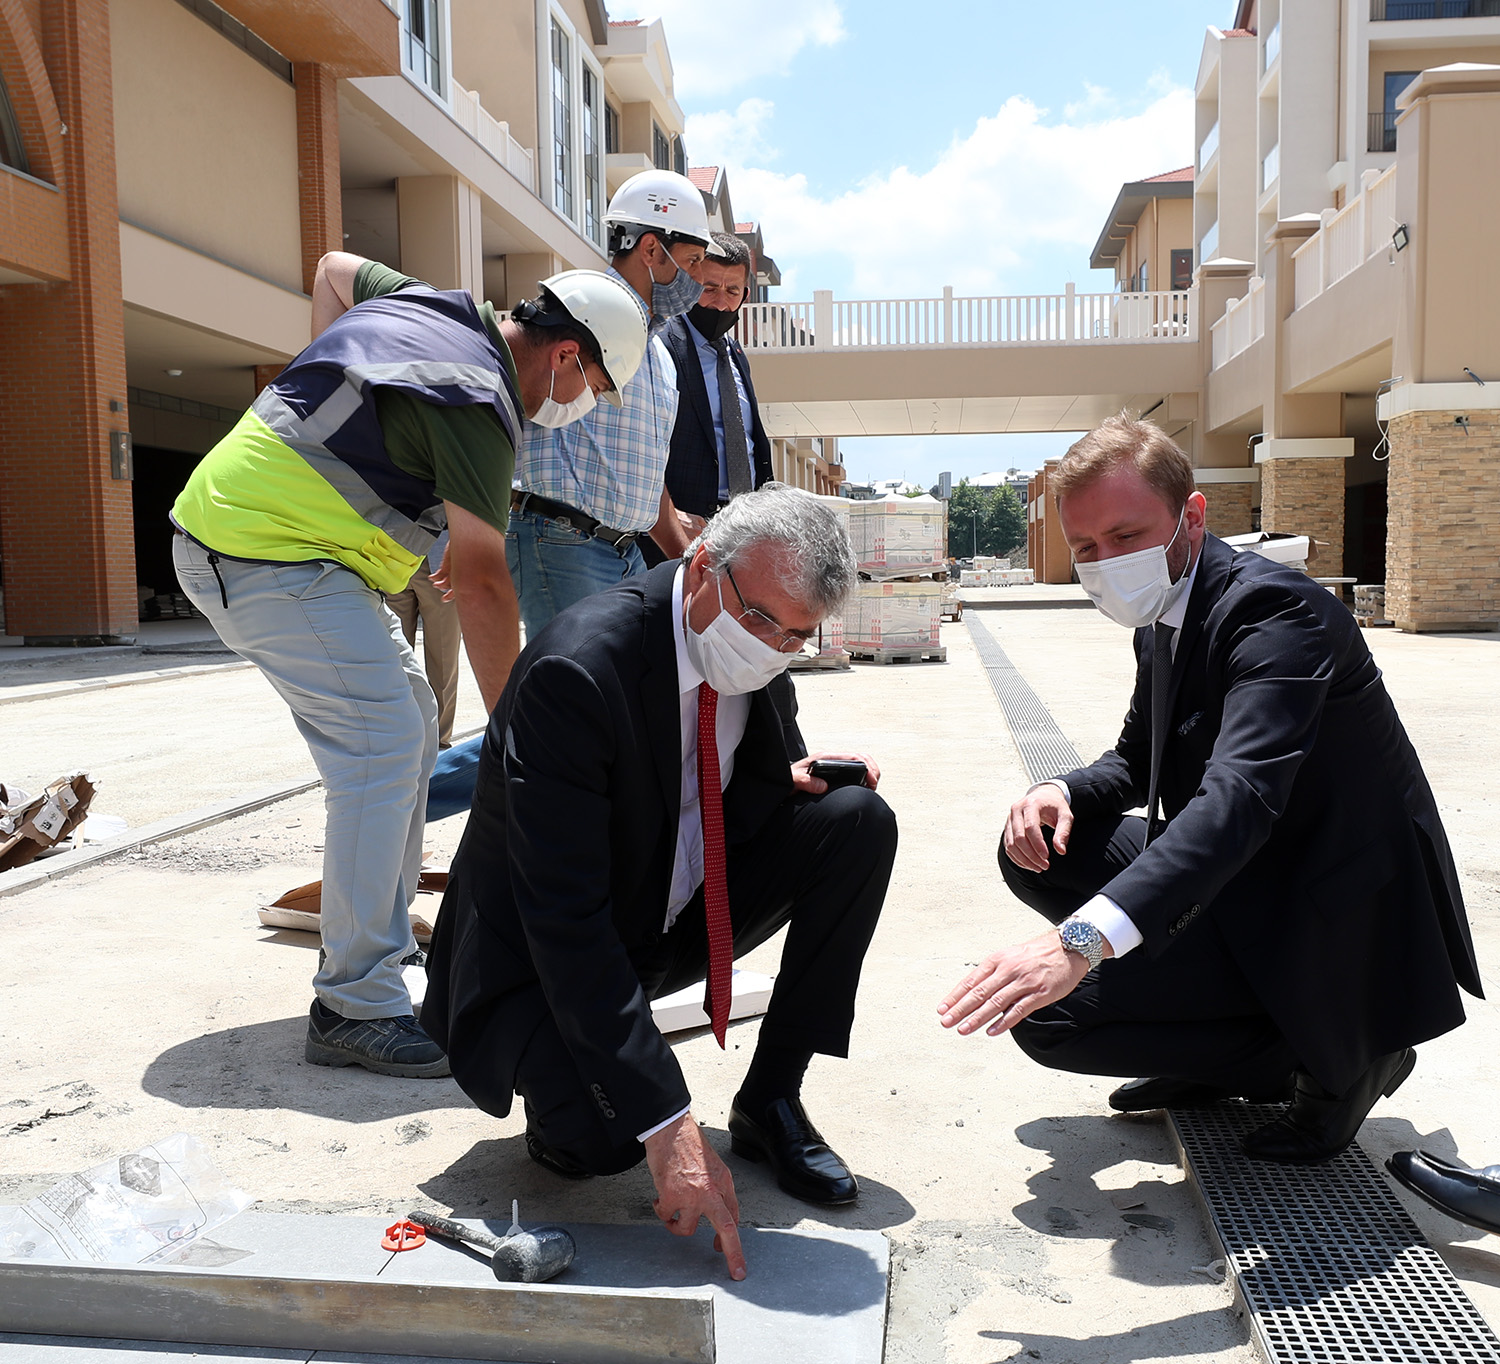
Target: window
[(611, 129), (562, 121), (679, 156), (422, 53), (12, 152), (1182, 270), (593, 159), (661, 149)]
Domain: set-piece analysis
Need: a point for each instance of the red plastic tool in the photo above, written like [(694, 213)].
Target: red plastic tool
[(403, 1236)]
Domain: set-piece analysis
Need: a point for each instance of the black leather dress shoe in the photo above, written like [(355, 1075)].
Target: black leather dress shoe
[(1318, 1125), (549, 1158), (1140, 1096), (1471, 1196), (805, 1165)]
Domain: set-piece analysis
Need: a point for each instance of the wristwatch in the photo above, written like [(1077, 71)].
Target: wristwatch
[(1080, 936)]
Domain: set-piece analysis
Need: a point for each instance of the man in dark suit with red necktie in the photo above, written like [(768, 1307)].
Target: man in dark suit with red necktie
[(592, 878)]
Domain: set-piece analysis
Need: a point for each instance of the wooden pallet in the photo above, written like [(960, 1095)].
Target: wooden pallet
[(1372, 622), (820, 663), (912, 653)]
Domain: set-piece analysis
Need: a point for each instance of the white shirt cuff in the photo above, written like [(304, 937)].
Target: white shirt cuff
[(1053, 781), (1112, 921), (652, 1131)]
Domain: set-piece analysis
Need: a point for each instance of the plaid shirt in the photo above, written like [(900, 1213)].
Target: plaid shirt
[(612, 463)]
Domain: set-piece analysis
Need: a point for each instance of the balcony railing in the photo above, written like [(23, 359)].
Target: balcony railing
[(1270, 168), (1243, 324), (1208, 146), (1347, 239), (1272, 49), (1382, 131), (1208, 243), (1014, 320), (1434, 9), (493, 136)]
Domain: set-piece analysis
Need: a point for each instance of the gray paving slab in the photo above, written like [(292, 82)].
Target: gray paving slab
[(816, 1296)]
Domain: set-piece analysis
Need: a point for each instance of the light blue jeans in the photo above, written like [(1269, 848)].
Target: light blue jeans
[(553, 565), (336, 655)]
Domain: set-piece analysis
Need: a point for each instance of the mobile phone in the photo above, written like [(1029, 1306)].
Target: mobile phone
[(839, 771)]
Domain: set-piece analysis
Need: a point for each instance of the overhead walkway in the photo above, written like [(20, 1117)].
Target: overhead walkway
[(957, 365)]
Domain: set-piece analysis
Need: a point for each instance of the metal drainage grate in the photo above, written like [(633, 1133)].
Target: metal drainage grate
[(1325, 1259), (1044, 748)]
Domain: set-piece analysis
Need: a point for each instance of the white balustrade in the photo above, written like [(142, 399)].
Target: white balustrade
[(1347, 238), (1011, 320), (1243, 324), (494, 136)]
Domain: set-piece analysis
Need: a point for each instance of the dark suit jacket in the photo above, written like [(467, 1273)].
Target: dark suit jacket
[(565, 868), (693, 465), (1300, 824)]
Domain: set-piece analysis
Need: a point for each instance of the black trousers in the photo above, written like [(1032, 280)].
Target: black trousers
[(1189, 1014), (821, 865)]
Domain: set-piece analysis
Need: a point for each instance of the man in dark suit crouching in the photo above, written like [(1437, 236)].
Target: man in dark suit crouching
[(1292, 924), (592, 879)]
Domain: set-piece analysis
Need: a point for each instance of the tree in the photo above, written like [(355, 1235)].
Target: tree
[(968, 520), (1006, 525)]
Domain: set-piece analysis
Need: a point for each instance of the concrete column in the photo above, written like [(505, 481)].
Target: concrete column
[(1444, 482), (524, 271), (1444, 522), (319, 184), (65, 522), (441, 239)]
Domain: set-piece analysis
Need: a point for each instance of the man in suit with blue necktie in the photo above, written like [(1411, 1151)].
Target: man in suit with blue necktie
[(719, 446)]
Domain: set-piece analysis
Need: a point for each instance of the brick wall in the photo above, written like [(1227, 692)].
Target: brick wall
[(65, 524), (1306, 497), (1442, 562), (319, 186), (1229, 507)]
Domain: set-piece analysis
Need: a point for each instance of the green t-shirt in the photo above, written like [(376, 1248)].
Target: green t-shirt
[(463, 451)]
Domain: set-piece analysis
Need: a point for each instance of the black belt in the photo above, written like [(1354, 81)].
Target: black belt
[(571, 516)]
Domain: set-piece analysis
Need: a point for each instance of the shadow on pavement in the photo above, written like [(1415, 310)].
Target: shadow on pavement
[(261, 1066), (1201, 1334)]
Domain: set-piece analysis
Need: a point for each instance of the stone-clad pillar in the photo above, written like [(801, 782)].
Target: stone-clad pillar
[(319, 183)]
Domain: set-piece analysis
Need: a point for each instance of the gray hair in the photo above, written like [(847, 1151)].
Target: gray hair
[(806, 532)]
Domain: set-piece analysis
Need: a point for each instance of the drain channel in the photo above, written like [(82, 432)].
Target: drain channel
[(1325, 1261), (1044, 748)]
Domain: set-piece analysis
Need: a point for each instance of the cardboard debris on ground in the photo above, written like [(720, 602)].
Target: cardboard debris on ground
[(300, 907), (43, 821)]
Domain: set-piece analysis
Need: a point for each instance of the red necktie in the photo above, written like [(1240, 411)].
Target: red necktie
[(715, 886)]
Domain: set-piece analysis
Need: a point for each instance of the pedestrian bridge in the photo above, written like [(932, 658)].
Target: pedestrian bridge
[(956, 365)]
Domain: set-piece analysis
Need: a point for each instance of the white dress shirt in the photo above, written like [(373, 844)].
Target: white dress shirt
[(708, 361), (729, 726), (1105, 915)]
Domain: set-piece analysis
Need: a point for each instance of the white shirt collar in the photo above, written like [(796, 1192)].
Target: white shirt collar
[(1178, 612), (688, 677)]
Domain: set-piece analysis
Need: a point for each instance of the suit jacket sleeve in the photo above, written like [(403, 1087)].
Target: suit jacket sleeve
[(1270, 660), (560, 746)]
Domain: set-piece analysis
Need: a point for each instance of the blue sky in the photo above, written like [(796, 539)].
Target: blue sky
[(891, 149)]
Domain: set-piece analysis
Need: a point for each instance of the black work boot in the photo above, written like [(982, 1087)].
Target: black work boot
[(387, 1046)]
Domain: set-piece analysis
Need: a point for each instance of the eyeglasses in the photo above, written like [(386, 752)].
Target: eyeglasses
[(762, 626)]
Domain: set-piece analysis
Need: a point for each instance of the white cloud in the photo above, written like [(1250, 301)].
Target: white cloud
[(737, 136), (996, 206), (716, 50)]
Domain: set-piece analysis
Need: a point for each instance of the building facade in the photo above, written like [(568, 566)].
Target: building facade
[(170, 173)]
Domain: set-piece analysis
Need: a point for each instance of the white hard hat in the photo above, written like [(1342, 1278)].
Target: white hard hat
[(657, 201), (608, 309)]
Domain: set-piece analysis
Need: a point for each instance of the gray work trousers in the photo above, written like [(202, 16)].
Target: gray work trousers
[(336, 655)]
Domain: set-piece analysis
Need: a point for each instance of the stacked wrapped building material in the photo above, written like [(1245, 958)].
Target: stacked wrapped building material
[(899, 545)]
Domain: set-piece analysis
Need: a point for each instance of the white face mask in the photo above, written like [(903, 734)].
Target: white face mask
[(731, 659), (554, 413), (1134, 589)]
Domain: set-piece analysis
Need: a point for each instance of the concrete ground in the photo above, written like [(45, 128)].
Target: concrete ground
[(141, 997)]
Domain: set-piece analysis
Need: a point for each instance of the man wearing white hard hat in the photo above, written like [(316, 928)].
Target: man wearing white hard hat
[(588, 492), (400, 420)]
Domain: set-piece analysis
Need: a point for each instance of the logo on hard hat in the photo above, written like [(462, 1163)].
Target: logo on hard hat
[(661, 205)]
